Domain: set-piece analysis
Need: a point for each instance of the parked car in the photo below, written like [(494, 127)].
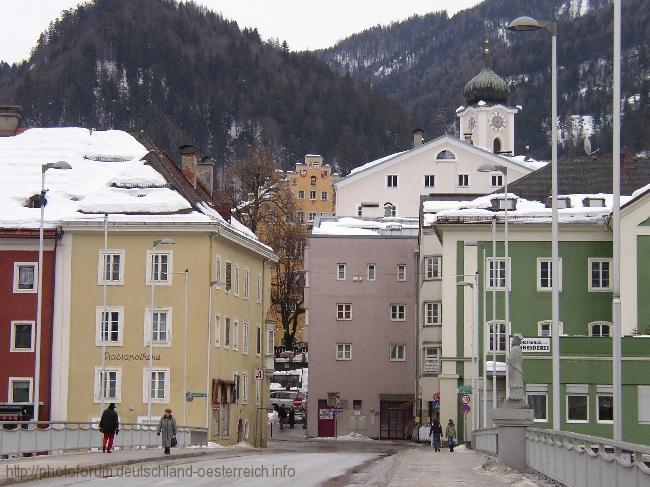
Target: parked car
[(286, 398)]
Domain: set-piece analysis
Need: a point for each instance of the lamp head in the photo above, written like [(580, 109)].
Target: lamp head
[(525, 23), (163, 241), (464, 283), (492, 168), (55, 165)]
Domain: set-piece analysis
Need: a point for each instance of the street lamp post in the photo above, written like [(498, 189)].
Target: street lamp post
[(503, 170), (475, 349), (39, 286), (528, 24), (164, 241)]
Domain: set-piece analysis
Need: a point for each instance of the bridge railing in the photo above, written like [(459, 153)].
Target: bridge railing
[(586, 461), (54, 436), (486, 440)]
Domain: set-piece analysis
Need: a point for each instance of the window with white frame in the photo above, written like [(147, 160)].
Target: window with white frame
[(228, 272), (537, 395), (497, 181), (432, 267), (397, 352), (258, 341), (496, 276), (258, 391), (545, 328), (235, 335), (217, 330), (301, 217), (20, 389), (445, 155), (109, 325), (340, 272), (226, 337), (545, 274), (432, 313), (312, 195), (343, 351), (397, 312), (246, 284), (643, 404), (108, 384), (599, 274), (604, 404), (401, 272), (25, 277), (343, 311), (372, 272), (22, 336), (217, 271), (270, 341), (244, 387), (312, 216), (156, 385), (301, 194), (463, 180), (391, 181), (110, 268), (577, 403), (235, 284), (162, 326), (159, 267), (431, 359), (429, 180), (259, 289), (498, 336), (323, 195), (390, 209), (244, 346), (600, 329)]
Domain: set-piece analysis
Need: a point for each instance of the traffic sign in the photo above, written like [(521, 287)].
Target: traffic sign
[(297, 402), (436, 396), (436, 405), (465, 399), (465, 408), (464, 389), (259, 374), (337, 409)]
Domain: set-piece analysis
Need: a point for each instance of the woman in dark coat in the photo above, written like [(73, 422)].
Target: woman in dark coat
[(110, 426), (167, 426)]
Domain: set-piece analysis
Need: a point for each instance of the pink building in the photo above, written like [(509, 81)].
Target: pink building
[(361, 298)]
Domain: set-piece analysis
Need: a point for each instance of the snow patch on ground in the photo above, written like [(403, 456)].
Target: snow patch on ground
[(244, 445), (349, 437), (211, 444)]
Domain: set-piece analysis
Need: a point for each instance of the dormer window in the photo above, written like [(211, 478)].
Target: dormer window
[(499, 204), (562, 202), (593, 202), (445, 155)]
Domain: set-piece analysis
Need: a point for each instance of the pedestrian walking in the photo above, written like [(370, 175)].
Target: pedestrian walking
[(435, 433), (450, 433), (109, 424), (167, 426), (282, 414), (292, 418)]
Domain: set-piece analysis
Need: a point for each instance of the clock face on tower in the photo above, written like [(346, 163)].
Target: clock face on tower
[(497, 122), (471, 124)]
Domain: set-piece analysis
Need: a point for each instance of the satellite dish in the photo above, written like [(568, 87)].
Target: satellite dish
[(586, 144)]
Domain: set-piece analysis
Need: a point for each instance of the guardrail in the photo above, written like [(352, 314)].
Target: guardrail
[(579, 460), (486, 440), (55, 436)]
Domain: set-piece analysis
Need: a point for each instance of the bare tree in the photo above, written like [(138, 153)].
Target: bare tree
[(248, 183)]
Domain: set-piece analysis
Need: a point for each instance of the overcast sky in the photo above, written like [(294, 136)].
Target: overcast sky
[(304, 24)]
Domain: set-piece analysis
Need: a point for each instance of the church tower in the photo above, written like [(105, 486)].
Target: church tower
[(487, 120)]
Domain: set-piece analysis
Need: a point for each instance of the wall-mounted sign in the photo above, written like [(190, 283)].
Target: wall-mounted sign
[(535, 345)]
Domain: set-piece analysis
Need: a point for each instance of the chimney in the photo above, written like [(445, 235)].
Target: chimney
[(418, 137), (225, 211), (205, 174), (9, 120), (468, 138), (188, 163)]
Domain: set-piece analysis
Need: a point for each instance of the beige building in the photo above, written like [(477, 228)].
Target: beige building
[(312, 184)]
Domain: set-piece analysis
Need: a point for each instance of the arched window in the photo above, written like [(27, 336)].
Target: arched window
[(445, 155), (600, 329), (389, 209), (496, 145)]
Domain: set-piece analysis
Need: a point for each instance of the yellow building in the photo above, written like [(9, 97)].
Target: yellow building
[(312, 184), (209, 281)]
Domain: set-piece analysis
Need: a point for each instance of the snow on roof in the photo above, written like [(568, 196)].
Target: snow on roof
[(526, 211), (358, 226), (370, 164), (528, 162)]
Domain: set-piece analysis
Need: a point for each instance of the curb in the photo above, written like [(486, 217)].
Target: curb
[(32, 477)]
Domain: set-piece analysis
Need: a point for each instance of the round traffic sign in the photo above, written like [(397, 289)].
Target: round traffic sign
[(297, 402), (436, 405), (466, 399), (436, 396), (465, 408)]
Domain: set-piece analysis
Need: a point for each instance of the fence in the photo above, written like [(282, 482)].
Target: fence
[(579, 460), (54, 436), (486, 440)]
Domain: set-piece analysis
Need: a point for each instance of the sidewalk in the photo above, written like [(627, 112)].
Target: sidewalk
[(32, 468), (422, 466)]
